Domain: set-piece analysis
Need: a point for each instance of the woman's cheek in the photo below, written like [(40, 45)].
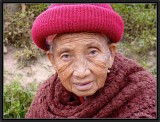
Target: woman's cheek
[(98, 65), (99, 70), (64, 71)]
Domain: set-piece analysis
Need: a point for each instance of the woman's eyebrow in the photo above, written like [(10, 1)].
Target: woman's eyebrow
[(93, 44), (64, 49)]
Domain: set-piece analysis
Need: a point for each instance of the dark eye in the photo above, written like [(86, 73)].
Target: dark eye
[(93, 52), (65, 57)]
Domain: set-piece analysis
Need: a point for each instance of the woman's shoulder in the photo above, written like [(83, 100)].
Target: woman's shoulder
[(120, 58), (122, 62), (40, 97), (127, 66), (45, 87), (131, 68)]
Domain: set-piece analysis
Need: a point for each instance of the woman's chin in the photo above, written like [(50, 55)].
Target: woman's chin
[(85, 93)]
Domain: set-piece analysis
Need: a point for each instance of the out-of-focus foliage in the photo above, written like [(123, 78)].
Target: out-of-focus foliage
[(17, 99), (139, 40), (140, 25), (17, 31)]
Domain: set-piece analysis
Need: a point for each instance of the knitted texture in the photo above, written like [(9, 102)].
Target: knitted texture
[(129, 92), (66, 18)]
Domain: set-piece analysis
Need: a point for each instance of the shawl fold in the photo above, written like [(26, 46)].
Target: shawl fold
[(129, 92)]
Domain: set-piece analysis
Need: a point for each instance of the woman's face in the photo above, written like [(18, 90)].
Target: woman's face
[(82, 61)]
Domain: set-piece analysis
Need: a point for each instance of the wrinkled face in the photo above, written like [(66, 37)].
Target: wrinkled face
[(81, 61)]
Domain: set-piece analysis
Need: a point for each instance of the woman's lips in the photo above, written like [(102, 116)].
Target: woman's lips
[(83, 86)]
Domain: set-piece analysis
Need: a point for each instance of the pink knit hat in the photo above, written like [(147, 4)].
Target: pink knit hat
[(65, 18)]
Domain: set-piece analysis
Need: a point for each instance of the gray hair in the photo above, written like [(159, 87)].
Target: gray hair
[(51, 47)]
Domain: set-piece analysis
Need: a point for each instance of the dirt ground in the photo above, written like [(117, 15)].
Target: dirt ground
[(37, 72)]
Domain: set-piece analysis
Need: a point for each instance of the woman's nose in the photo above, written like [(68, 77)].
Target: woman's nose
[(81, 71)]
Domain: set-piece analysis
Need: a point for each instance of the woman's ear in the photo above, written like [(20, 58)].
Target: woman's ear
[(112, 48), (50, 57)]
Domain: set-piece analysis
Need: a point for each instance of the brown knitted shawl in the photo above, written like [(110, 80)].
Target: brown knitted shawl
[(129, 92)]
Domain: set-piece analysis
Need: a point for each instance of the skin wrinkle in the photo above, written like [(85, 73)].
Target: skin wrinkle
[(92, 36), (81, 67), (75, 39)]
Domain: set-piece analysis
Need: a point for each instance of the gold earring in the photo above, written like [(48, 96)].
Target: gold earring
[(108, 71)]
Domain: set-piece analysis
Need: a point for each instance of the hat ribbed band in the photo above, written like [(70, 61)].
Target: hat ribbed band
[(77, 18)]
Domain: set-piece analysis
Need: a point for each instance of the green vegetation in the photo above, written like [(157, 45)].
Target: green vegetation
[(28, 55), (140, 25), (17, 99), (17, 32), (139, 39)]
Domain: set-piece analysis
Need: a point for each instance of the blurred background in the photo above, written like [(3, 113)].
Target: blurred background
[(26, 67)]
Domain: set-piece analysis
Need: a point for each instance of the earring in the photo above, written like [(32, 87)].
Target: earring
[(108, 71)]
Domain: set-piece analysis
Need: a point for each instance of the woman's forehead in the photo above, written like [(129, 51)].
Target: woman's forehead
[(85, 38)]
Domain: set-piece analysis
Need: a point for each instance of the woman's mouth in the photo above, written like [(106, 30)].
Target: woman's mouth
[(83, 86)]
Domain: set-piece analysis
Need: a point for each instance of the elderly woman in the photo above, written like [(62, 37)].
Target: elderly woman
[(91, 80)]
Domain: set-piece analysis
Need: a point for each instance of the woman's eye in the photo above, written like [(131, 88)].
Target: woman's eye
[(93, 52), (65, 57)]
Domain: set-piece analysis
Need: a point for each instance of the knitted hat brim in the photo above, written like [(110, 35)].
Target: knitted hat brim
[(76, 18)]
